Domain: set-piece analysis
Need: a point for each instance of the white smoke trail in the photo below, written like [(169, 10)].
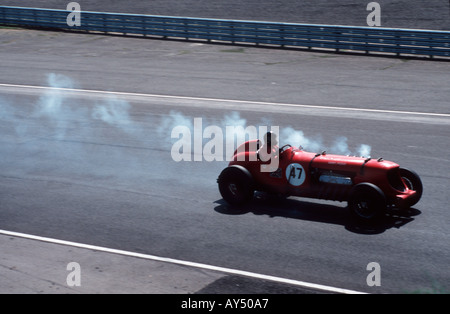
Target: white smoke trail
[(56, 124), (297, 138), (53, 106), (115, 112), (340, 146), (63, 114), (288, 135), (6, 111), (364, 150), (234, 119)]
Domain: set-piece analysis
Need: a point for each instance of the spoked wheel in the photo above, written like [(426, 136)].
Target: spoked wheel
[(412, 182), (367, 202), (236, 185)]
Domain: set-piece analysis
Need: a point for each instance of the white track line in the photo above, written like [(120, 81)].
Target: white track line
[(229, 100), (184, 263)]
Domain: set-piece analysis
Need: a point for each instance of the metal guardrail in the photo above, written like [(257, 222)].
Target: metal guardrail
[(338, 38)]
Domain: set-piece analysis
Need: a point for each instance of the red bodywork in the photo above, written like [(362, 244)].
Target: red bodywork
[(322, 176)]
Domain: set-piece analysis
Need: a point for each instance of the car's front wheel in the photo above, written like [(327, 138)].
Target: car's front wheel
[(236, 185), (367, 202), (413, 182)]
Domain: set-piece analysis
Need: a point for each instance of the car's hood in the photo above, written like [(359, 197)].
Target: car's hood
[(351, 163)]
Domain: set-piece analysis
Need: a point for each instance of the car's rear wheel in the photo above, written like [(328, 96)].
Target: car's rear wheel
[(367, 202), (236, 185), (412, 182)]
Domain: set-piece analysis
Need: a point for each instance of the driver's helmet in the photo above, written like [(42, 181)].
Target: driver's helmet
[(270, 139)]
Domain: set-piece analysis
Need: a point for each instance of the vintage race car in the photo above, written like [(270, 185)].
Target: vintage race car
[(369, 185)]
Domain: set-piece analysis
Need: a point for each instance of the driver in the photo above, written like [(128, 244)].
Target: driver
[(270, 147)]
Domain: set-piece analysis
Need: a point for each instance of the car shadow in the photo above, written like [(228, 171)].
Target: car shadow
[(295, 208)]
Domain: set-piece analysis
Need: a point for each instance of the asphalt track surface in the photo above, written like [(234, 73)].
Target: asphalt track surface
[(432, 14), (92, 163)]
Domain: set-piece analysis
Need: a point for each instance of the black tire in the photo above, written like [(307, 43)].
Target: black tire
[(367, 202), (413, 182), (236, 185)]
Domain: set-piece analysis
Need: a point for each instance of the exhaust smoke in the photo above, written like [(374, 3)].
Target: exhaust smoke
[(71, 136)]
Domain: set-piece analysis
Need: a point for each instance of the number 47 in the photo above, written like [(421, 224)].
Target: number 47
[(293, 174)]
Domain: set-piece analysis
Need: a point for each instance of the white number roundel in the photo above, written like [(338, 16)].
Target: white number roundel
[(295, 174)]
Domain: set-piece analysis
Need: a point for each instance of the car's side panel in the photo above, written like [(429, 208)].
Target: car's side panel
[(298, 173)]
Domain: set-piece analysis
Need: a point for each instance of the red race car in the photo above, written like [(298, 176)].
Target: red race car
[(369, 185)]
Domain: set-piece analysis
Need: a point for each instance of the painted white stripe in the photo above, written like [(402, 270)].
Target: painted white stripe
[(184, 263), (432, 114)]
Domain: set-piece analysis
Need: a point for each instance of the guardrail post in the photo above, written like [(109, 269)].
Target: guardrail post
[(366, 36), (431, 47), (397, 45), (105, 30), (256, 30), (164, 25), (309, 39), (144, 26), (337, 34), (208, 35), (232, 33)]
